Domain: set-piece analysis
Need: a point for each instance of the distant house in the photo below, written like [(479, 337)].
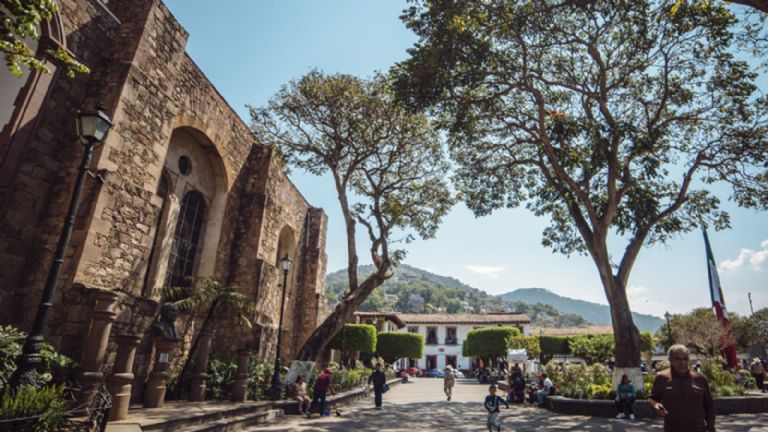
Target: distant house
[(444, 334)]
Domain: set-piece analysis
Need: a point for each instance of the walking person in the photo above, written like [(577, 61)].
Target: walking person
[(758, 371), (379, 380), (492, 404), (625, 398), (682, 396), (448, 381), (322, 386)]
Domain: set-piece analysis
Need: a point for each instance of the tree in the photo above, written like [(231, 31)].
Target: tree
[(210, 301), (21, 21), (388, 161), (529, 343), (355, 337), (603, 116), (394, 345), (592, 348), (699, 330), (490, 341)]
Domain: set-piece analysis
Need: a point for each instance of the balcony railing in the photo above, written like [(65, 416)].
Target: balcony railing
[(451, 341)]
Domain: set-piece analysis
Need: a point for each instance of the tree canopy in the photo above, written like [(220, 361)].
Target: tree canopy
[(394, 345), (489, 341), (355, 337), (611, 118), (386, 164)]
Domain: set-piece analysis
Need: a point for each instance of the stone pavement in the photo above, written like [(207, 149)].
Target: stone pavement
[(421, 406)]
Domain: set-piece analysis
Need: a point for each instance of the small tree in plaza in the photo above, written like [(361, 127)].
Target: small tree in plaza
[(592, 348), (354, 338), (529, 343), (490, 341), (386, 164), (395, 345), (610, 117)]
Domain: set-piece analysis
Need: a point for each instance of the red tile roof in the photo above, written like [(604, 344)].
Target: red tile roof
[(487, 318)]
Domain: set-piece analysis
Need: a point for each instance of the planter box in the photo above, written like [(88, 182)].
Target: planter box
[(607, 408)]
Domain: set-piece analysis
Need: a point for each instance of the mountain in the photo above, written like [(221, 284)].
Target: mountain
[(412, 290), (593, 312)]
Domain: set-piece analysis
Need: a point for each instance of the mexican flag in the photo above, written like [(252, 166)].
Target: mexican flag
[(718, 304)]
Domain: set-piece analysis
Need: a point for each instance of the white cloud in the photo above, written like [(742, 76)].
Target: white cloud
[(491, 272), (756, 260), (640, 300)]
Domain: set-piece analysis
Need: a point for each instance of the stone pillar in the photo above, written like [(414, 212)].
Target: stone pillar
[(91, 377), (119, 383), (240, 386), (154, 394), (200, 372)]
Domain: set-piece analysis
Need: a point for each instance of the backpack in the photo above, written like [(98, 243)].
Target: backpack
[(518, 383)]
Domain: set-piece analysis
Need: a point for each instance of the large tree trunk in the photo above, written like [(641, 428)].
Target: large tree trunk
[(343, 313), (626, 336)]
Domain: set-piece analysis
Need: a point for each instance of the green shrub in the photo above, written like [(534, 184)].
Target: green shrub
[(394, 345), (554, 345), (259, 380), (490, 341), (55, 368), (355, 337), (529, 343), (47, 404), (600, 391), (221, 375), (592, 348)]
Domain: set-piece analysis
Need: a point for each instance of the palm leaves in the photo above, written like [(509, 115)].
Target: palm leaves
[(209, 297)]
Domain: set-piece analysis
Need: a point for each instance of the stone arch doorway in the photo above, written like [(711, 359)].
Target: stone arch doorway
[(189, 228)]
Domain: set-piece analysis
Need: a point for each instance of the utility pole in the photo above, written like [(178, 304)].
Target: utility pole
[(749, 295)]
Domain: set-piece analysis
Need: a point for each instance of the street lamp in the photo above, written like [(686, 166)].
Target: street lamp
[(285, 263), (669, 329), (92, 128)]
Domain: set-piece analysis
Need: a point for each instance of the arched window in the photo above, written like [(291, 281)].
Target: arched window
[(186, 239)]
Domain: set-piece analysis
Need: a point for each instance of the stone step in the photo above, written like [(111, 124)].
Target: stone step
[(236, 423), (177, 422)]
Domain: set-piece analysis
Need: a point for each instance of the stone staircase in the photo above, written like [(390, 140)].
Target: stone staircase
[(197, 417)]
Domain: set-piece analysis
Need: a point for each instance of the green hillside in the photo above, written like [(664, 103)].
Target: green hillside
[(593, 312), (413, 290)]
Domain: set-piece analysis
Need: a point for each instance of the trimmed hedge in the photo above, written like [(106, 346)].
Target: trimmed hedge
[(394, 345), (490, 341), (355, 337), (555, 345), (529, 343)]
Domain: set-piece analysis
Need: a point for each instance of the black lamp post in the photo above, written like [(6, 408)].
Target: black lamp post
[(92, 128), (285, 263), (669, 328)]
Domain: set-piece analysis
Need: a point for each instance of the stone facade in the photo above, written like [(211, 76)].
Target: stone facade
[(126, 236)]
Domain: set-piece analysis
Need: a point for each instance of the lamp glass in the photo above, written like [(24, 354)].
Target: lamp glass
[(94, 125), (285, 263)]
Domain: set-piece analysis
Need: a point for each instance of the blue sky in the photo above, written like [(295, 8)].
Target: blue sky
[(248, 49)]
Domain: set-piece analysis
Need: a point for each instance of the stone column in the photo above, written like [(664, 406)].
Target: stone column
[(200, 372), (103, 315), (119, 383), (240, 386), (154, 394)]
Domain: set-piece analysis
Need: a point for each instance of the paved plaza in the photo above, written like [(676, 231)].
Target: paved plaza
[(420, 406)]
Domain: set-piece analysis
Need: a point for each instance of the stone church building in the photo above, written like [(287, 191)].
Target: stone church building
[(179, 188)]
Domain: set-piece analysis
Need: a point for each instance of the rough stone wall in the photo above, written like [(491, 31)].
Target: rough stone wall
[(150, 87)]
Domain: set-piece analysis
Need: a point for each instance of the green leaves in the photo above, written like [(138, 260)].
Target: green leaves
[(46, 404), (490, 341), (21, 22), (395, 345), (355, 337), (206, 294)]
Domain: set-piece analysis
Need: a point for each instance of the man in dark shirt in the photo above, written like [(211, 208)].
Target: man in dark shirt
[(379, 379), (682, 396)]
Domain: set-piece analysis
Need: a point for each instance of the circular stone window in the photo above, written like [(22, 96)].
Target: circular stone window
[(185, 165)]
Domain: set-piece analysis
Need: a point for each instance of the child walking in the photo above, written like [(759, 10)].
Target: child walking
[(492, 404)]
